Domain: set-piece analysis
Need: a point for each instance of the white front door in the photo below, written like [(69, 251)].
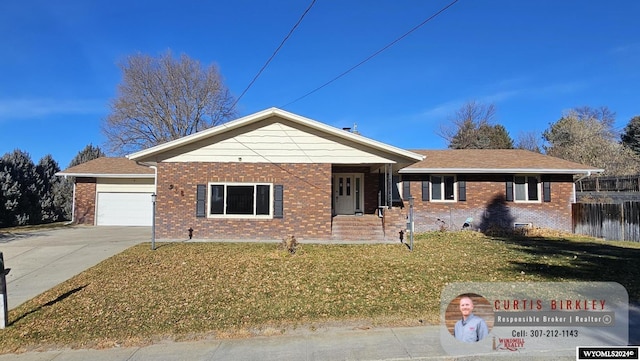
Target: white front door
[(347, 193)]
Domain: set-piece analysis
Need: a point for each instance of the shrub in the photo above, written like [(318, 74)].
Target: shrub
[(289, 243)]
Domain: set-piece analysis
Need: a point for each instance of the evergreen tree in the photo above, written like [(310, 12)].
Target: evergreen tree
[(47, 184), (4, 201), (631, 135), (19, 180), (89, 152)]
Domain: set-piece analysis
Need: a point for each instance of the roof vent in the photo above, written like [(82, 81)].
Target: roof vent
[(353, 130)]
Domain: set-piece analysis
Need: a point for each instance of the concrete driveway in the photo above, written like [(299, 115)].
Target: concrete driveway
[(42, 259)]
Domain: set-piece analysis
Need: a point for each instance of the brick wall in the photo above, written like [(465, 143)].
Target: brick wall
[(394, 221), (307, 201), (85, 203), (487, 206)]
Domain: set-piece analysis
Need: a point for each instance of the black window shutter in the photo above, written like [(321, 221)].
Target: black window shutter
[(509, 189), (462, 190), (546, 189), (406, 189), (201, 200), (278, 204), (425, 190)]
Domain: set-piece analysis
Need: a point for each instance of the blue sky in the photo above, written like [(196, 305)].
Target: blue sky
[(533, 59)]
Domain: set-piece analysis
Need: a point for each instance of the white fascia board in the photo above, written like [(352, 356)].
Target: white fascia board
[(499, 171), (267, 113), (102, 175)]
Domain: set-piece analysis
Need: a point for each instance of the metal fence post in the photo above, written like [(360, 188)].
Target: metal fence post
[(153, 222), (4, 313), (411, 225)]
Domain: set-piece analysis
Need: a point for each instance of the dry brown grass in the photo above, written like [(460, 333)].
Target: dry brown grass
[(186, 291)]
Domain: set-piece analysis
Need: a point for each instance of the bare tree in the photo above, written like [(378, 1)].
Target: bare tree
[(161, 99), (471, 128), (586, 135), (529, 141)]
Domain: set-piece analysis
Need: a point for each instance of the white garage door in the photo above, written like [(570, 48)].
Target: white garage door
[(124, 209)]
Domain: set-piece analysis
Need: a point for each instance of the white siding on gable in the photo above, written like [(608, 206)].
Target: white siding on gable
[(133, 185), (279, 143)]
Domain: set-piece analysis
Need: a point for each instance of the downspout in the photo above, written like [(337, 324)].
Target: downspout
[(73, 203), (588, 174), (155, 176)]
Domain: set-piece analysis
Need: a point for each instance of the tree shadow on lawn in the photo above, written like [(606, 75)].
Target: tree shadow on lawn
[(579, 261), (584, 261), (50, 303)]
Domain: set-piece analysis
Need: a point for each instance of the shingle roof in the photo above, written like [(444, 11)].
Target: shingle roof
[(494, 161), (109, 167)]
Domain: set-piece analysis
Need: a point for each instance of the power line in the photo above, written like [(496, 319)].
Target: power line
[(274, 53), (374, 54)]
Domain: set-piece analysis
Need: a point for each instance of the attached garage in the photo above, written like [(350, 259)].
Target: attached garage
[(112, 192), (124, 201), (124, 209)]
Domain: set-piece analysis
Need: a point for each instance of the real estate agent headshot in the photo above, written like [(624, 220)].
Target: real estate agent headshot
[(470, 328)]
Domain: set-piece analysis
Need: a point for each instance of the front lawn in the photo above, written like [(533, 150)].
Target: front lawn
[(189, 290)]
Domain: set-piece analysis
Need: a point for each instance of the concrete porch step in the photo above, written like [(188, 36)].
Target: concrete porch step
[(357, 228)]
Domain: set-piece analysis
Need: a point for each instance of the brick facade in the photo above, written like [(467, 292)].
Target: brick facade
[(85, 201), (487, 206), (395, 221), (307, 200)]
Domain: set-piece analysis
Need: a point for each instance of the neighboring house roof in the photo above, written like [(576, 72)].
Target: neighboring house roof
[(271, 135), (494, 161), (105, 167)]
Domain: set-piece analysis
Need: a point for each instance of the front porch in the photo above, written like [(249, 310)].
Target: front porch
[(370, 227), (362, 196)]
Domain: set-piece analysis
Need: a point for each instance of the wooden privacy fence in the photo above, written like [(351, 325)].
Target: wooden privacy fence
[(609, 184), (619, 221)]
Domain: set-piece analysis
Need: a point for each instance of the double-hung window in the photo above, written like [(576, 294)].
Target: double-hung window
[(443, 188), (526, 188), (240, 200)]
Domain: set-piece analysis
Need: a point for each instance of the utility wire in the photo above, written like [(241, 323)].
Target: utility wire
[(274, 53), (254, 80), (374, 54)]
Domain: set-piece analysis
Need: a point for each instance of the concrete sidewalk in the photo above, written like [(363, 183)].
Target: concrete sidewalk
[(40, 260), (405, 343)]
